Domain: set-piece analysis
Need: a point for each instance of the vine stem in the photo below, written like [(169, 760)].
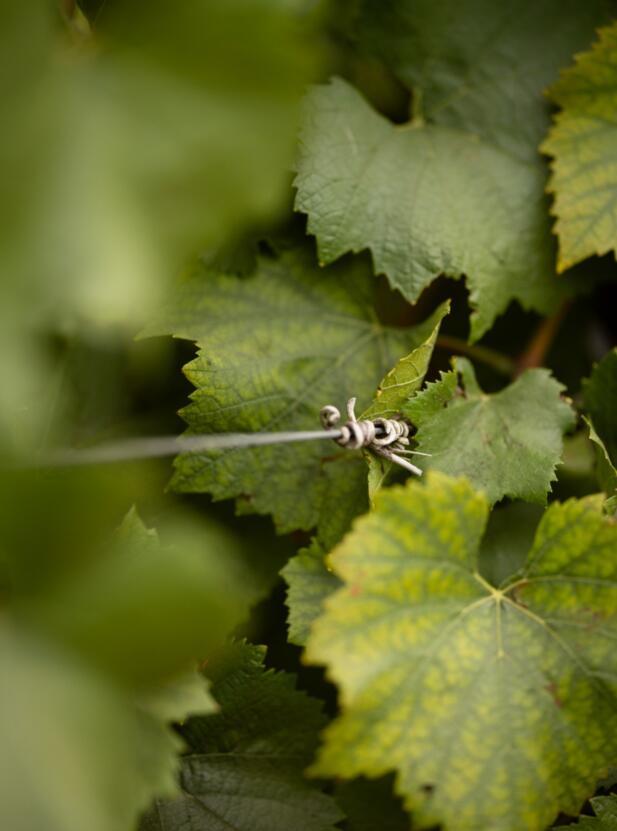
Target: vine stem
[(67, 7), (540, 342), (496, 360)]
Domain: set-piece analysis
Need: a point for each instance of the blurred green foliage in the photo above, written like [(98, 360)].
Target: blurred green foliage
[(136, 141)]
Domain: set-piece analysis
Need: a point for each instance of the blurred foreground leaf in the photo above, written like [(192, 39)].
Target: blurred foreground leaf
[(96, 659), (144, 610), (76, 751)]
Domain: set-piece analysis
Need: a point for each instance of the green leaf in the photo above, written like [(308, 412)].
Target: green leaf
[(600, 398), (76, 752), (273, 349), (460, 188), (605, 469), (507, 539), (405, 379), (369, 804), (459, 58), (496, 707), (582, 143), (184, 598), (605, 810), (507, 444), (309, 582), (244, 768), (400, 384)]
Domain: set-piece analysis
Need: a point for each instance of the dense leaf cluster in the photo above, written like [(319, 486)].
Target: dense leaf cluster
[(246, 211)]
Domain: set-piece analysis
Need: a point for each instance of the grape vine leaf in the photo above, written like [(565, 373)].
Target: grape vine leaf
[(369, 804), (508, 537), (309, 582), (605, 819), (407, 376), (244, 767), (507, 444), (100, 759), (600, 398), (275, 347), (582, 143), (400, 384), (460, 189), (496, 707)]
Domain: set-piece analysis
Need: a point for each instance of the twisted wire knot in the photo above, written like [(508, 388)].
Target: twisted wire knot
[(385, 437)]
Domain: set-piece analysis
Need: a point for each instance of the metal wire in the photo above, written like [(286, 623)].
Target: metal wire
[(387, 438), (158, 446)]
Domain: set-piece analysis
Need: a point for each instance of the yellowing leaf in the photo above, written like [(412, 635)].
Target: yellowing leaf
[(310, 580), (497, 707), (508, 443), (582, 143)]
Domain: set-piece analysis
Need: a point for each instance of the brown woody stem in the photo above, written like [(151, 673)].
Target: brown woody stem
[(496, 360), (536, 350)]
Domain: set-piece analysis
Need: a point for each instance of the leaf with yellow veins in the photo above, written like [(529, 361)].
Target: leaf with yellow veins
[(507, 443), (496, 707), (582, 143)]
